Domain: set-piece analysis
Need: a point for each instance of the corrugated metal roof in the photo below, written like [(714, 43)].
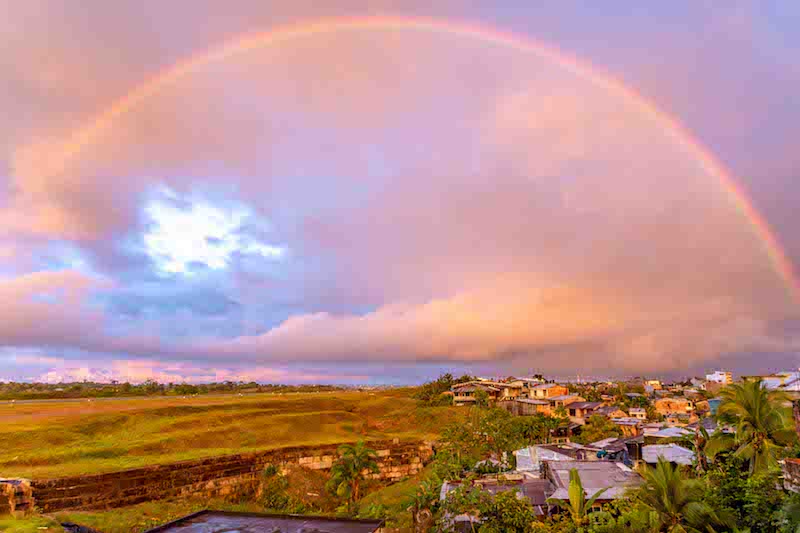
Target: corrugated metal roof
[(671, 452)]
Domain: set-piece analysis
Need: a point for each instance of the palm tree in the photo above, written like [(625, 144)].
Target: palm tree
[(422, 503), (578, 506), (676, 501), (355, 461), (700, 442), (761, 423)]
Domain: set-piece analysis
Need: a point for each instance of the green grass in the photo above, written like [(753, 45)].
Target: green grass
[(62, 438), (36, 524)]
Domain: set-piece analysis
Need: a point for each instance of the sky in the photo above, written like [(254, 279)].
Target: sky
[(378, 192)]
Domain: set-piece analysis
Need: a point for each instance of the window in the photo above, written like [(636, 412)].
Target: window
[(572, 412)]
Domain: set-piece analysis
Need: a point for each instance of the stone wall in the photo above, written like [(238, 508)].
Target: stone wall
[(212, 476), (15, 497)]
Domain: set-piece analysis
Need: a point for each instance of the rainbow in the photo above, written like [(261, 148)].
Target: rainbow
[(86, 135)]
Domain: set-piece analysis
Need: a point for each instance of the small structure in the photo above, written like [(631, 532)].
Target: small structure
[(563, 401), (630, 426), (595, 475), (545, 391), (579, 411), (610, 411), (666, 433), (639, 413), (667, 406), (225, 521), (531, 459), (723, 377), (464, 393), (675, 454), (526, 407), (535, 489)]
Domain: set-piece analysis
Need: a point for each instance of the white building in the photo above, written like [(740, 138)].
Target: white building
[(720, 376)]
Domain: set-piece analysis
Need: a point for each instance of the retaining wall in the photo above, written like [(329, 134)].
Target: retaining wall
[(212, 476)]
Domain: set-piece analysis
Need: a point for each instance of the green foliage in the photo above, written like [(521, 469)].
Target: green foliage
[(355, 461), (597, 428), (274, 495), (433, 392), (481, 398), (678, 502), (507, 513), (578, 505), (762, 424), (88, 389)]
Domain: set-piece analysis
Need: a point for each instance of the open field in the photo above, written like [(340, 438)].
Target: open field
[(60, 438)]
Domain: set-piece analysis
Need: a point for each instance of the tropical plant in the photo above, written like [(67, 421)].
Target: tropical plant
[(578, 505), (677, 501), (422, 504), (355, 461), (762, 424)]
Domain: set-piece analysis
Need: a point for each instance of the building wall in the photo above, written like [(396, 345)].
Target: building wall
[(212, 476)]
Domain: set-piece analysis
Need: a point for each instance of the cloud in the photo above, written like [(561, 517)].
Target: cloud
[(390, 196)]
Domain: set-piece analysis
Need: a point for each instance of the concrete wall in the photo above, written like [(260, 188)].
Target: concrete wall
[(791, 474), (211, 477)]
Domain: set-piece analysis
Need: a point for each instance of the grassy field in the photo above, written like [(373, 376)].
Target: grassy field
[(60, 438)]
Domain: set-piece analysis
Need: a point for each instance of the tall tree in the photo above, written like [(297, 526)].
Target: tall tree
[(677, 501), (355, 461), (763, 426)]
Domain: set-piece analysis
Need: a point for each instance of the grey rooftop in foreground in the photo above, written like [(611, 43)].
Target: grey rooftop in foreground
[(223, 521)]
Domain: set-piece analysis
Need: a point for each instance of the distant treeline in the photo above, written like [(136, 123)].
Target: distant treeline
[(43, 391)]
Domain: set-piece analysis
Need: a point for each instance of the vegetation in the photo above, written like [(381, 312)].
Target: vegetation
[(59, 438), (87, 389), (734, 485), (761, 424), (354, 463), (598, 428), (578, 505)]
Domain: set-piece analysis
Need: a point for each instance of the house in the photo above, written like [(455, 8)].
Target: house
[(723, 377), (530, 459), (610, 411), (630, 427), (634, 395), (666, 406), (616, 478), (627, 450), (464, 393), (526, 407), (535, 489), (677, 455), (680, 419), (545, 391), (578, 412), (563, 400), (666, 433), (652, 385), (639, 413), (213, 521)]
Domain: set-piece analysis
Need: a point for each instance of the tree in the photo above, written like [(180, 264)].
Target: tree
[(578, 505), (507, 513), (678, 502), (761, 423), (481, 398), (355, 460), (422, 505), (598, 428)]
